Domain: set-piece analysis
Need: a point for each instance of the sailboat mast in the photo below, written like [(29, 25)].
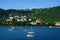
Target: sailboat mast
[(31, 28)]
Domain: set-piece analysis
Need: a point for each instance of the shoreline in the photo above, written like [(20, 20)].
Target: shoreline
[(34, 26)]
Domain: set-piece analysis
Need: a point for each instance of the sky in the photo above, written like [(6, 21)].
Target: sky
[(23, 4)]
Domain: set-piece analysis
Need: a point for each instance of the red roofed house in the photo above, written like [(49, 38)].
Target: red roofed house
[(38, 20)]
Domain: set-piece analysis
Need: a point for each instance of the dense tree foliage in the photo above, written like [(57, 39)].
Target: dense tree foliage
[(49, 15)]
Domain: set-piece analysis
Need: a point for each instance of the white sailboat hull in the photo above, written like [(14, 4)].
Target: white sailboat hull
[(30, 32), (30, 35)]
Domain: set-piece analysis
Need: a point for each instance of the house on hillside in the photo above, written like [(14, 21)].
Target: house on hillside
[(16, 17), (11, 18), (57, 23), (29, 19), (23, 18), (38, 20), (18, 20), (8, 21), (33, 23)]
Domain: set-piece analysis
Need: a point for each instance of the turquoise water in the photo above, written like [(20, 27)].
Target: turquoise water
[(19, 33)]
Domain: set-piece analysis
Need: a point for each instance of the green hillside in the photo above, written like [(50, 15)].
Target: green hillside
[(49, 15)]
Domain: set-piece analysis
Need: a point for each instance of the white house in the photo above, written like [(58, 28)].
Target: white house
[(18, 20), (10, 17), (22, 17), (33, 23), (16, 17), (29, 19), (9, 20), (21, 20), (25, 16), (25, 19), (57, 23), (46, 23)]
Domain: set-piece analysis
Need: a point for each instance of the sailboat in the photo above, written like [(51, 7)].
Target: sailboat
[(30, 33)]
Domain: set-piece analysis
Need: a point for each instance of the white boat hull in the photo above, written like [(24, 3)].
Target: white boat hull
[(29, 35)]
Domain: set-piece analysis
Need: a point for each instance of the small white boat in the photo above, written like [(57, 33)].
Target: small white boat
[(12, 27), (30, 33)]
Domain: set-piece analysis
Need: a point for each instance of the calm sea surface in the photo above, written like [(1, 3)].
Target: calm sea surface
[(20, 33)]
